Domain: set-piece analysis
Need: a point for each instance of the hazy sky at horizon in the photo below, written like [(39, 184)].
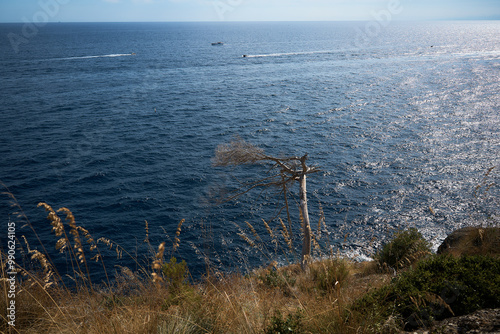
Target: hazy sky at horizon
[(243, 10)]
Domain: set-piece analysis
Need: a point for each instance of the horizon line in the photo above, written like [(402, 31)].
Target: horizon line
[(262, 21)]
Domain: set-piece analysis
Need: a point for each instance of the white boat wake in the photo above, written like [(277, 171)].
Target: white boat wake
[(287, 54), (100, 56)]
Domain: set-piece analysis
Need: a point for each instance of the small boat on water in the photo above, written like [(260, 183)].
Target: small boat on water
[(217, 43)]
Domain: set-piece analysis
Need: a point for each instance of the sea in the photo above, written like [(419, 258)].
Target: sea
[(119, 123)]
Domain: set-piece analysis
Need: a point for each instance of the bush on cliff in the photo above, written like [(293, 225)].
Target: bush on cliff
[(405, 248), (437, 288)]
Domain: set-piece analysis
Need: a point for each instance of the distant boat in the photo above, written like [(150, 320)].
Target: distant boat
[(217, 43)]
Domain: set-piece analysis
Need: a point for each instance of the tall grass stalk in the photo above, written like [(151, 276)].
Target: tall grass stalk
[(334, 295)]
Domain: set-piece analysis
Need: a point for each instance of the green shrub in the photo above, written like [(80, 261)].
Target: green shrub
[(330, 274), (180, 291), (275, 279), (176, 274), (292, 324), (437, 288), (405, 248)]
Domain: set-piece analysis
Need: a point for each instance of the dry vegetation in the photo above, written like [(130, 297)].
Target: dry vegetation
[(161, 298), (217, 304)]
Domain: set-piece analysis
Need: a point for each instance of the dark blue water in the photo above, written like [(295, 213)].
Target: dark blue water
[(399, 122)]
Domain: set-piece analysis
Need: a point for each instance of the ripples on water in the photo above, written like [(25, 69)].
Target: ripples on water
[(397, 126)]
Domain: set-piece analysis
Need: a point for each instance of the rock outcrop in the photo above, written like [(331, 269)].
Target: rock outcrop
[(479, 322), (472, 241)]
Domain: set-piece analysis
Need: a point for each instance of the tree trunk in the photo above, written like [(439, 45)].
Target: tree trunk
[(306, 228)]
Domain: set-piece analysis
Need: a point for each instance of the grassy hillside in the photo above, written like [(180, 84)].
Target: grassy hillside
[(404, 288)]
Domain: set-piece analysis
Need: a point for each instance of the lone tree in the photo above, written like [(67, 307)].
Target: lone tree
[(280, 173)]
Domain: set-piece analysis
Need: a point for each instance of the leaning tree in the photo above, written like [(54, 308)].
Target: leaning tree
[(279, 173)]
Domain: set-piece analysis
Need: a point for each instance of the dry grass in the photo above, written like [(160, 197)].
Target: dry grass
[(229, 304), (246, 304), (158, 299)]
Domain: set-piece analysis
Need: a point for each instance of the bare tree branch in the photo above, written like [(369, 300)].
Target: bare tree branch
[(285, 170), (237, 152)]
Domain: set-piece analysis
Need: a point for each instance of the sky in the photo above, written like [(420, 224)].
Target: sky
[(243, 10)]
